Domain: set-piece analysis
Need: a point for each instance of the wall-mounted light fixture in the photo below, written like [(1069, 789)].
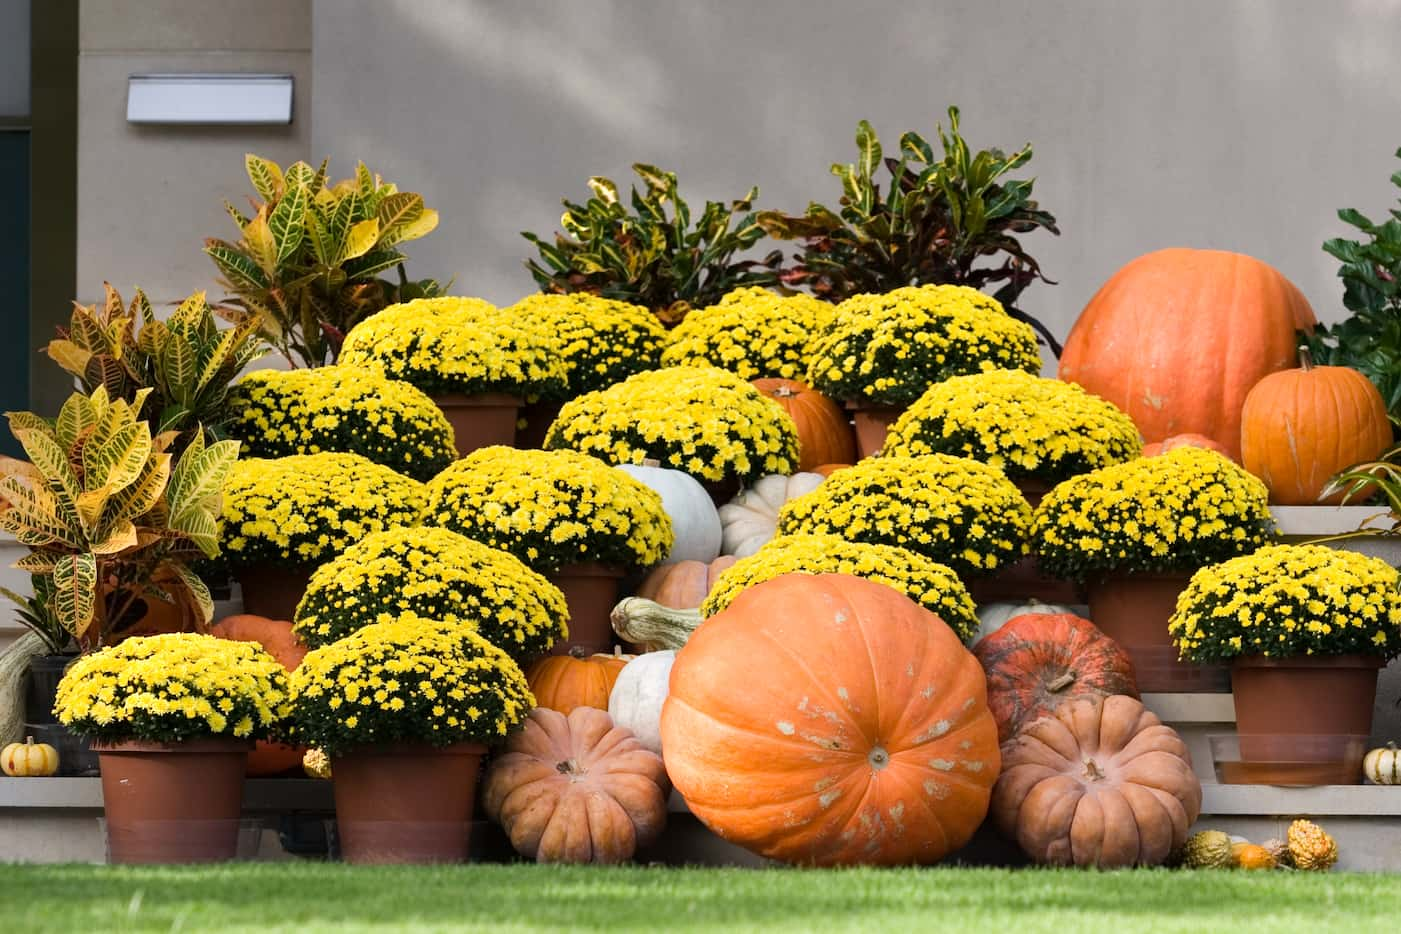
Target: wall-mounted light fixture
[(231, 99)]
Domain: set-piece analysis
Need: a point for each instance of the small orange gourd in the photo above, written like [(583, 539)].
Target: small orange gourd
[(563, 682), (28, 759), (1301, 427)]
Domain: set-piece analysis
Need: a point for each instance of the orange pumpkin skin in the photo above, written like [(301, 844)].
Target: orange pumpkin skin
[(278, 640), (1102, 782), (564, 682), (829, 720), (1178, 337), (577, 789), (1301, 427), (1188, 440), (827, 470), (1037, 662), (684, 585), (825, 435)]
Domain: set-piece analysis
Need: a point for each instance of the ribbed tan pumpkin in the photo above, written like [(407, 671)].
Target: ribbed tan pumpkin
[(830, 720), (577, 789), (824, 431), (1300, 427), (1102, 782), (1178, 337), (683, 585)]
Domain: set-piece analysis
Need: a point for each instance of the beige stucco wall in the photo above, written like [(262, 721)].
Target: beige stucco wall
[(1237, 124), (148, 195)]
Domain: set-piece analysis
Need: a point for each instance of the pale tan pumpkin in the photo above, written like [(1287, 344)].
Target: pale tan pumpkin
[(750, 520), (577, 789), (683, 585), (1102, 782)]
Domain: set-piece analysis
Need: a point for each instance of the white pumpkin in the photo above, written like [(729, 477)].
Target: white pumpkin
[(993, 616), (694, 519), (1383, 766), (750, 520), (638, 695)]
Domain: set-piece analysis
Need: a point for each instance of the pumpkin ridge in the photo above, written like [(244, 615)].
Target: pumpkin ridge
[(839, 706), (796, 739)]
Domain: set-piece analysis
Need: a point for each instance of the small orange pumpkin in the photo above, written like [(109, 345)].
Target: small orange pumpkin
[(563, 682), (824, 432), (278, 640), (1300, 427), (1186, 440)]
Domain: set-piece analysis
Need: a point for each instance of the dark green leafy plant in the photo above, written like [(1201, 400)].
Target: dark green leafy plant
[(36, 612), (306, 264), (954, 220), (1368, 340), (653, 255)]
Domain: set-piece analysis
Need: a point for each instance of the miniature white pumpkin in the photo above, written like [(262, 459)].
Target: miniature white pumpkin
[(694, 520), (750, 520), (638, 695), (1383, 766), (993, 616)]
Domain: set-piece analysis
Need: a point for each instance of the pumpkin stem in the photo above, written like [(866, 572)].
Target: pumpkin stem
[(783, 392), (651, 462), (1305, 358), (1093, 771), (29, 741), (647, 623), (567, 766), (577, 651), (1063, 682)]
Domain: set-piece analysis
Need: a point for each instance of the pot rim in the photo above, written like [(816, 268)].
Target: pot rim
[(1309, 661), (478, 399), (201, 744), (1106, 577), (587, 569), (374, 750), (866, 405)]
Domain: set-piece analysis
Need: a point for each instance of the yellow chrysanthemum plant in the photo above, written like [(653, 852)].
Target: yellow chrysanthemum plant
[(1176, 512), (308, 508), (601, 340), (551, 509), (1033, 429), (930, 584), (752, 332), (435, 574), (954, 511), (458, 345), (278, 413), (407, 680), (889, 349), (702, 420), (175, 687), (1290, 600)]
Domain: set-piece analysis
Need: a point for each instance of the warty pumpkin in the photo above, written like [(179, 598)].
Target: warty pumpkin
[(683, 585), (825, 435), (1101, 782), (638, 695), (1178, 337), (694, 521), (576, 789), (1037, 662), (750, 520), (1301, 427), (830, 720), (564, 682), (278, 640), (1186, 440)]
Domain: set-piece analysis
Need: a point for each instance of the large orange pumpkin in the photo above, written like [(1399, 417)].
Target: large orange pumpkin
[(829, 720), (1187, 440), (1102, 783), (824, 431), (1300, 427), (563, 682), (278, 640), (1178, 337), (1038, 661)]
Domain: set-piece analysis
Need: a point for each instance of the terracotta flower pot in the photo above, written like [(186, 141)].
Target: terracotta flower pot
[(1305, 696), (1034, 490), (480, 420), (173, 802), (1023, 580), (872, 423), (1133, 610), (273, 590), (538, 417), (591, 592), (406, 802)]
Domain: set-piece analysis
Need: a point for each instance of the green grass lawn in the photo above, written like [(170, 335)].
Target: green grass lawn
[(332, 897)]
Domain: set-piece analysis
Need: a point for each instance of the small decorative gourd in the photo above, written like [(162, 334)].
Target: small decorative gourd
[(651, 626), (1383, 766), (1251, 856), (577, 789), (750, 519), (28, 759), (638, 695)]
